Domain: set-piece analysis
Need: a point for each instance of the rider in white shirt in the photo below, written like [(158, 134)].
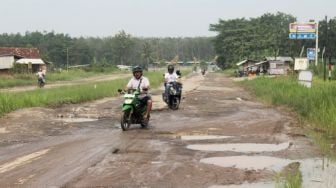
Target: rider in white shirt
[(41, 75), (170, 76), (139, 81)]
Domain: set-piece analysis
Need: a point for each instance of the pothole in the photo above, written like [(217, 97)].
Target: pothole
[(318, 172), (249, 162), (247, 185), (203, 137), (245, 147), (76, 120)]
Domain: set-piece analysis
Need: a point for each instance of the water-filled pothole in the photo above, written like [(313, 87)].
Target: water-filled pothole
[(203, 137), (247, 185), (249, 162), (246, 147), (316, 172), (77, 120)]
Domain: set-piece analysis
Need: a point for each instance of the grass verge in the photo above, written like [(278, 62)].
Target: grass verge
[(67, 94)]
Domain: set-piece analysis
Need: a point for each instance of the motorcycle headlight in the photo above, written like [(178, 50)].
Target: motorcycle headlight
[(128, 101)]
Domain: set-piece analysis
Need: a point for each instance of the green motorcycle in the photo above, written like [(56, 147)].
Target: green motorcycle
[(133, 110)]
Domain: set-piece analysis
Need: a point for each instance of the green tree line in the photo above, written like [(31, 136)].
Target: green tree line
[(121, 48), (265, 36)]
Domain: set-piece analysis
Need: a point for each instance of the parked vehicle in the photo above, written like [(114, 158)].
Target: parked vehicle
[(133, 110), (173, 95)]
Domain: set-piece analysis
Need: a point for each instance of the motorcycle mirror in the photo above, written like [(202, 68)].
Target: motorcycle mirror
[(178, 72)]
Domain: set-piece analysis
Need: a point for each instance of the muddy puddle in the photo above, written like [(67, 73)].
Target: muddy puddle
[(249, 162), (246, 148), (203, 137), (247, 185), (76, 120), (316, 172)]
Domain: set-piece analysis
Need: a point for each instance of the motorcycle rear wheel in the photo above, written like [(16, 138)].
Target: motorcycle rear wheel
[(125, 121)]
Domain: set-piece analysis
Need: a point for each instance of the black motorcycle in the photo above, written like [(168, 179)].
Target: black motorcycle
[(40, 82), (172, 96)]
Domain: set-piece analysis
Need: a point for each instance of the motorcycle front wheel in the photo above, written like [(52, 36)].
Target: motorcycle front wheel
[(125, 121), (40, 84), (175, 103)]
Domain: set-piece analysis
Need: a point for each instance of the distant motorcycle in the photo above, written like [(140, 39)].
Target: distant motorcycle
[(173, 95), (40, 82), (133, 110)]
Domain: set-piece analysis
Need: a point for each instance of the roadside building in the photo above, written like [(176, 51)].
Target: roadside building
[(279, 65), (25, 59), (246, 67)]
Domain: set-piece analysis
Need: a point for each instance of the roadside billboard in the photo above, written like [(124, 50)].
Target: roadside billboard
[(309, 27)]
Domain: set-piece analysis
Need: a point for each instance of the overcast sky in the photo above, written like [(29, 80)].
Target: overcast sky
[(146, 18)]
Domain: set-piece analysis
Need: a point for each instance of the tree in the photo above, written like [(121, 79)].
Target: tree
[(256, 38), (121, 47), (147, 55)]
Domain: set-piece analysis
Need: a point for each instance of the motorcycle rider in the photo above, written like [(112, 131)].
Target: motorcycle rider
[(139, 81), (40, 75), (170, 76)]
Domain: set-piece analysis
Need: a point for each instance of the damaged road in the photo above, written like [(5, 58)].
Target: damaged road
[(220, 137)]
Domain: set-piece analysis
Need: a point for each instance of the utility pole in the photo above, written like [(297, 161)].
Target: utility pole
[(67, 50), (324, 62), (316, 44)]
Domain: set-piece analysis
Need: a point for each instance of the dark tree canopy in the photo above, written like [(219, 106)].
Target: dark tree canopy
[(121, 48), (267, 35)]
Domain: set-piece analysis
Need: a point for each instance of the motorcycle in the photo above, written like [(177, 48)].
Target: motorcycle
[(40, 82), (133, 110), (172, 97), (203, 72)]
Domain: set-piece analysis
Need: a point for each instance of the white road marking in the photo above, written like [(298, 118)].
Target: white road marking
[(22, 161)]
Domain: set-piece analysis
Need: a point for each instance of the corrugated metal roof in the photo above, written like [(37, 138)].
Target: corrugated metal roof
[(261, 62), (280, 58), (32, 61), (242, 62)]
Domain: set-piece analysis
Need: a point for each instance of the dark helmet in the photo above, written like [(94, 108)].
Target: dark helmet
[(137, 69), (170, 68)]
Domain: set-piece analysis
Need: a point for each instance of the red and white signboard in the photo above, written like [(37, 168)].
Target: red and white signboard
[(302, 27)]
